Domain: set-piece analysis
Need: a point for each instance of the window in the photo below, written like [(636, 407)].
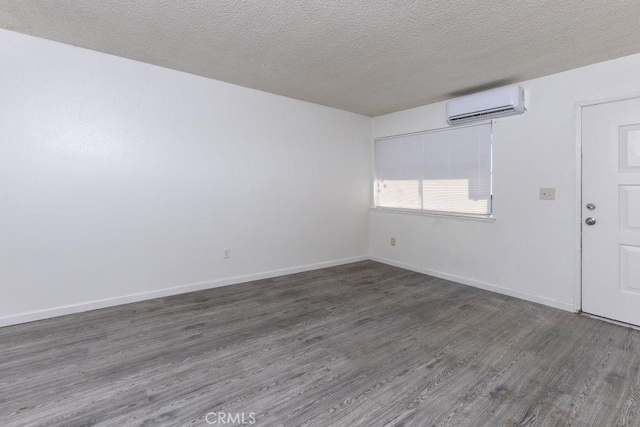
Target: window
[(444, 171)]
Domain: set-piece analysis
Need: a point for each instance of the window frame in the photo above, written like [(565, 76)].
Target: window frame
[(489, 217)]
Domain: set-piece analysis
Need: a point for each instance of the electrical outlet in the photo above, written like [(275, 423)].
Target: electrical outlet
[(547, 194), (393, 241), (227, 253)]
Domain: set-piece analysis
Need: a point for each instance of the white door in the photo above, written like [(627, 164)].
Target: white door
[(611, 210)]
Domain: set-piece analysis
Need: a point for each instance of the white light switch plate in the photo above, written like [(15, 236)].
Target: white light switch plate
[(547, 194)]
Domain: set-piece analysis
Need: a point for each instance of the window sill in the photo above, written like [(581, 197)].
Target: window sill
[(469, 217)]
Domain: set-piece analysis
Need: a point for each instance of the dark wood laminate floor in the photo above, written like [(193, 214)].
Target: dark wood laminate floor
[(363, 344)]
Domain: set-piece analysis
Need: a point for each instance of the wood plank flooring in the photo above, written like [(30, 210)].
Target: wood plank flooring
[(358, 345)]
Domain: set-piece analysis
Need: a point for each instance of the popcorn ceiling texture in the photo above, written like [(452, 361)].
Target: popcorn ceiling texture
[(370, 57)]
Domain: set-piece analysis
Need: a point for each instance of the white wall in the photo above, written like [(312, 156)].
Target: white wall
[(529, 250), (121, 181)]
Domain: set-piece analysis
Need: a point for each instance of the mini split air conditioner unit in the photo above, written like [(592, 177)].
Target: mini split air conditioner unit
[(501, 102)]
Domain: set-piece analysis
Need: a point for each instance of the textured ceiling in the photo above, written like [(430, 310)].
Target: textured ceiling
[(370, 57)]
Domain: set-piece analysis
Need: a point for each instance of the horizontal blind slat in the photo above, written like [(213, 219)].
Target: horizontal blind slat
[(446, 170)]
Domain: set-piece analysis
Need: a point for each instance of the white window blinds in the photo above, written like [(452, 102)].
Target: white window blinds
[(447, 170)]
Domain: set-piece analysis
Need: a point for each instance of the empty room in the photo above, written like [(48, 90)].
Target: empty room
[(319, 213)]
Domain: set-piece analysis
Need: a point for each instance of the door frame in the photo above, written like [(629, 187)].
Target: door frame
[(577, 282)]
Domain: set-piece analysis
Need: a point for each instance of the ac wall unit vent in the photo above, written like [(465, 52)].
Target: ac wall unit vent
[(501, 102)]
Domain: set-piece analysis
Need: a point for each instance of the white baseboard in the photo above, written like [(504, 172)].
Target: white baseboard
[(478, 284), (143, 296)]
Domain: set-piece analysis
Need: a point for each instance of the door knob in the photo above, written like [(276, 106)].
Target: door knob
[(590, 221)]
